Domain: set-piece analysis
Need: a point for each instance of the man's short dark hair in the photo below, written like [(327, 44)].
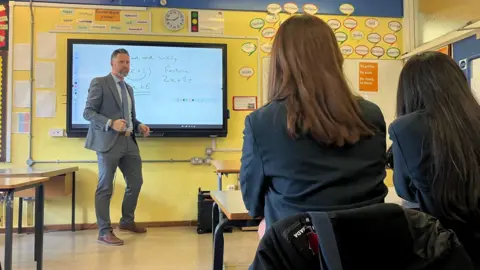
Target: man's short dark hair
[(117, 52)]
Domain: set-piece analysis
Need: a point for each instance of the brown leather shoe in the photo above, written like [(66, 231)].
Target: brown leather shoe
[(132, 228), (110, 239)]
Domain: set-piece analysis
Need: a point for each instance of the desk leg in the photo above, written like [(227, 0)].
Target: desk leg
[(9, 230), (39, 211), (20, 214), (219, 180), (218, 243), (73, 201)]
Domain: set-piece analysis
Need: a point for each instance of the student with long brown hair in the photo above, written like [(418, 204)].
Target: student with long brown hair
[(315, 146)]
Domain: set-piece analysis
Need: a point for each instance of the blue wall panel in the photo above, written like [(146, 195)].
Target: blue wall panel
[(374, 8), (468, 49)]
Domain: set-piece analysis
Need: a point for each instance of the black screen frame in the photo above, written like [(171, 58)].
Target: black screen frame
[(156, 132)]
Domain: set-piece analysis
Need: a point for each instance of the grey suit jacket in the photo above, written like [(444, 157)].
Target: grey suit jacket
[(104, 103)]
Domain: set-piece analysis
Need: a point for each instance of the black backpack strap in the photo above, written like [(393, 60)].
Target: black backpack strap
[(329, 255)]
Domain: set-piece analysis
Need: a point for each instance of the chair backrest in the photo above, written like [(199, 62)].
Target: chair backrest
[(378, 237), (385, 236)]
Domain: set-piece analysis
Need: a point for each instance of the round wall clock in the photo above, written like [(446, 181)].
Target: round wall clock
[(174, 20)]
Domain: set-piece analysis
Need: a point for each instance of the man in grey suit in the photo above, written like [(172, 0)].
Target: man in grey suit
[(110, 109)]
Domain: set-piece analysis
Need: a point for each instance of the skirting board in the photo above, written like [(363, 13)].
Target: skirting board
[(81, 227)]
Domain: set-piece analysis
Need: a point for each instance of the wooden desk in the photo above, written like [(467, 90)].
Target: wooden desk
[(229, 209), (225, 167), (10, 186), (61, 183)]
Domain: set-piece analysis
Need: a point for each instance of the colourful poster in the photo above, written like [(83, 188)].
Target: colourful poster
[(368, 77)]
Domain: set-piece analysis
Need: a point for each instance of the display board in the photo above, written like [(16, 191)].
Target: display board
[(179, 88)]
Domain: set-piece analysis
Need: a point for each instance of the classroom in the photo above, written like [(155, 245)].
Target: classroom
[(192, 119)]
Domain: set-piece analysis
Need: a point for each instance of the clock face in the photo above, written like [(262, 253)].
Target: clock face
[(174, 19)]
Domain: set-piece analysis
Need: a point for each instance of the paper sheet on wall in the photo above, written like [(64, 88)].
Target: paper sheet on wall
[(45, 75), (22, 94), (46, 104), (211, 22), (21, 56), (21, 122), (475, 79), (265, 73), (46, 45)]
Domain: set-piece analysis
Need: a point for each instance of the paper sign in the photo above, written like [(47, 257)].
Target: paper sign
[(269, 32), (21, 122), (393, 52), (46, 45), (350, 23), (46, 104), (372, 23), (257, 23), (3, 18), (22, 92), (395, 26), (347, 9), (45, 75), (135, 29), (115, 28), (341, 37), (84, 21), (21, 56), (249, 48), (107, 15), (374, 38), (244, 103), (362, 50), (272, 18), (290, 8), (347, 50), (368, 77), (3, 26), (390, 39), (274, 8), (211, 22), (247, 72), (377, 51), (310, 9), (99, 27), (334, 24), (67, 11), (358, 35), (63, 27), (266, 48), (130, 15)]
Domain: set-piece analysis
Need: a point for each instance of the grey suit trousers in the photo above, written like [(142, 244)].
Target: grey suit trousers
[(126, 156)]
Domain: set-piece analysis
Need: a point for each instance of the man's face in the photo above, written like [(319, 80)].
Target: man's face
[(121, 65)]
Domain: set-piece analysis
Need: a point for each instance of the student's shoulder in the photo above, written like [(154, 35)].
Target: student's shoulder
[(267, 111), (411, 124), (369, 108)]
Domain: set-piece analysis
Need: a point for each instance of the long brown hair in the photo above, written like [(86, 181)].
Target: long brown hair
[(306, 71)]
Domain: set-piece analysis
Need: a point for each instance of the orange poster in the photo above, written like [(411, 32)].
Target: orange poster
[(368, 77), (107, 15), (444, 50)]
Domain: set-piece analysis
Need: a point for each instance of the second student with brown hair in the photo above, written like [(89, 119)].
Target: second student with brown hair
[(315, 146)]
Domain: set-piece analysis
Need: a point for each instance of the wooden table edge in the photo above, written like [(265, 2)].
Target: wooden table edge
[(231, 216)]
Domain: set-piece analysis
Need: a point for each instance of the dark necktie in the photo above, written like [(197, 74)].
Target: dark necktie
[(126, 113)]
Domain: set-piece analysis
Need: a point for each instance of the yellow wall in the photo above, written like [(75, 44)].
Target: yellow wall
[(169, 191)]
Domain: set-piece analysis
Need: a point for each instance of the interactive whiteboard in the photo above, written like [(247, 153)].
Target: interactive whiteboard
[(179, 88)]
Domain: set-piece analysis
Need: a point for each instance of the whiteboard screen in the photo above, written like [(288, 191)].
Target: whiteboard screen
[(176, 86)]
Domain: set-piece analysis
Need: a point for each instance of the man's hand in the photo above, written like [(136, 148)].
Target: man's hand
[(119, 125), (145, 130)]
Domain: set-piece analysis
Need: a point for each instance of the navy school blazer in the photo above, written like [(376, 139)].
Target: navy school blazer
[(281, 176), (412, 158)]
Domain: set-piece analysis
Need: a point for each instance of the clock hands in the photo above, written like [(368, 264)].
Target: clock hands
[(173, 19)]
